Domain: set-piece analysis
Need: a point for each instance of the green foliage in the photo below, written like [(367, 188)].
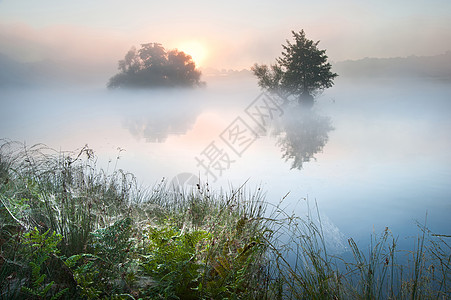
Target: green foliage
[(40, 290), (86, 275), (10, 233), (65, 193), (113, 243), (313, 273), (195, 264), (41, 247), (110, 266), (236, 272), (108, 271), (173, 258), (123, 244), (153, 66), (302, 70)]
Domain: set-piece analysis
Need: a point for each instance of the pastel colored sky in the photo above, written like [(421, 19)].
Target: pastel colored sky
[(222, 34)]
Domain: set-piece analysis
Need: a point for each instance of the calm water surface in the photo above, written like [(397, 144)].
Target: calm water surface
[(372, 154)]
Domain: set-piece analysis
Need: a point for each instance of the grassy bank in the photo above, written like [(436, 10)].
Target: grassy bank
[(69, 230)]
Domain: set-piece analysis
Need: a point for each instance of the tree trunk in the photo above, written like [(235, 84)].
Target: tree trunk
[(306, 100)]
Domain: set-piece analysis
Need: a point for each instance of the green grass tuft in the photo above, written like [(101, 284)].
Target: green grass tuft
[(69, 230)]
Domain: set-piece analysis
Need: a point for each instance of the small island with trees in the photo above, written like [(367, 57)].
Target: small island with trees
[(153, 66)]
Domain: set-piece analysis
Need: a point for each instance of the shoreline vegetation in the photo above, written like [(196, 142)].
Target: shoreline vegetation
[(69, 230)]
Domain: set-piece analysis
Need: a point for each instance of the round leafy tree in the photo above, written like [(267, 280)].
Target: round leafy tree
[(302, 70), (153, 66)]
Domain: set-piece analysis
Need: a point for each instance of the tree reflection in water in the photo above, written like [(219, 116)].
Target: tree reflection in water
[(300, 134), (154, 122), (155, 128)]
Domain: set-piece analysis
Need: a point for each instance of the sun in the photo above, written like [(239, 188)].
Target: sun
[(197, 51)]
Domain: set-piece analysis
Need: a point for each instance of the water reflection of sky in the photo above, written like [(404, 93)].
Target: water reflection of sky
[(386, 162)]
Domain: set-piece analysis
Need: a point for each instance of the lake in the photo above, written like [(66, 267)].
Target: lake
[(371, 153)]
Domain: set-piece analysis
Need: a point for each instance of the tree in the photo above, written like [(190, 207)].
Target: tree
[(302, 70), (153, 66)]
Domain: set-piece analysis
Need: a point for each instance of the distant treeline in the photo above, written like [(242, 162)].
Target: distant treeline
[(438, 67), (49, 73)]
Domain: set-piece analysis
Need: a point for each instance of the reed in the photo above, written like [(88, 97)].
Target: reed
[(100, 235)]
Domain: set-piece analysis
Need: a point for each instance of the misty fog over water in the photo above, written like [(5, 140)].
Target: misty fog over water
[(372, 153)]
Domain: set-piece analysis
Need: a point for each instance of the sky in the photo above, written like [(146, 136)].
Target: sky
[(221, 34)]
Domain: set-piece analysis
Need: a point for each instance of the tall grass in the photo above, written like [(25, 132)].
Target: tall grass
[(107, 237), (64, 192)]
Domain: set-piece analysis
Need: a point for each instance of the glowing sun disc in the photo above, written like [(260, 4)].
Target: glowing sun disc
[(196, 50)]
